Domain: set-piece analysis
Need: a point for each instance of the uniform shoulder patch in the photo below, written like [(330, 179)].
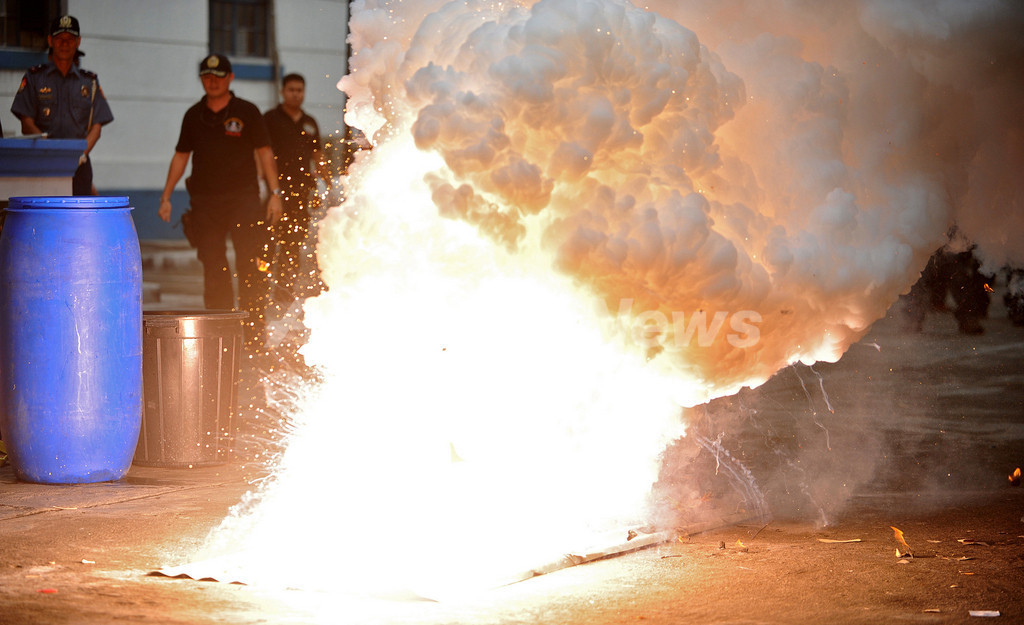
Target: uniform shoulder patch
[(35, 69)]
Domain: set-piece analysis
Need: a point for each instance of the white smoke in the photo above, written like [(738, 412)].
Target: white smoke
[(796, 160), (934, 87)]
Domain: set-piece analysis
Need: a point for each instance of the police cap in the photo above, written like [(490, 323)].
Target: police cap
[(65, 24), (216, 64)]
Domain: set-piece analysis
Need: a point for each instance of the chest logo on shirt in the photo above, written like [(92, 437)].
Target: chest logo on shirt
[(233, 127)]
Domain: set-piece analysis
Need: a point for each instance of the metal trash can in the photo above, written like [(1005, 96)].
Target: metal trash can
[(190, 367)]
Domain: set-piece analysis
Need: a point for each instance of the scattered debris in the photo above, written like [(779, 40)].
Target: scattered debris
[(932, 610), (1015, 477), (740, 546), (721, 544), (899, 538), (984, 613), (48, 591), (837, 541), (759, 530), (84, 561), (968, 541)]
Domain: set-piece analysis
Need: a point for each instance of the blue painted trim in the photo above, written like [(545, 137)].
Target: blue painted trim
[(14, 58), (253, 71), (146, 203)]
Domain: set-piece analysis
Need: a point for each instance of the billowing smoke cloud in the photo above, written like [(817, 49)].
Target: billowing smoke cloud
[(933, 90), (743, 185), (735, 186)]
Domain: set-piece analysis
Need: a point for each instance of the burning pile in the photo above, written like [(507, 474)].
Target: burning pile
[(580, 215)]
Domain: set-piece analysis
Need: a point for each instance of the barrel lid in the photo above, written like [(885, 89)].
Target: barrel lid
[(77, 201)]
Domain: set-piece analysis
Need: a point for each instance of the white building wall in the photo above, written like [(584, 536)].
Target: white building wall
[(311, 41), (147, 54)]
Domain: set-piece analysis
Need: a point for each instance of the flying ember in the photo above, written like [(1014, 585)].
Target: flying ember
[(579, 217)]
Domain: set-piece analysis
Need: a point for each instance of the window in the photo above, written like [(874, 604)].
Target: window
[(240, 27), (25, 23)]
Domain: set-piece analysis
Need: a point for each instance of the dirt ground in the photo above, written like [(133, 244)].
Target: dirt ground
[(916, 431), (84, 566)]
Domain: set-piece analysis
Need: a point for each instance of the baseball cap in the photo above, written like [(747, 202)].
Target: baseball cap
[(216, 64), (65, 24)]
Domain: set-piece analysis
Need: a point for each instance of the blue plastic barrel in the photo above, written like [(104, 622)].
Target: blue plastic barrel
[(70, 338)]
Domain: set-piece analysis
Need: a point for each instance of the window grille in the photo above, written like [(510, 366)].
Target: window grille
[(240, 28), (25, 23)]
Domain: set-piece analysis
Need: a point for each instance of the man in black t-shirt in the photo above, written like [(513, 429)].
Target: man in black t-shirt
[(222, 132), (295, 139)]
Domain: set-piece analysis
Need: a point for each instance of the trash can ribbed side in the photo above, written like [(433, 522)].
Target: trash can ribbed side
[(190, 366), (70, 338)]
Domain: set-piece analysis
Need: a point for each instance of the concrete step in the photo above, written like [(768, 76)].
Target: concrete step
[(172, 275), (173, 255), (168, 254), (150, 292)]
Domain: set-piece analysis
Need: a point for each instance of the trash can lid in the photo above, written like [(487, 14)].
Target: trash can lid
[(181, 324), (76, 201), (199, 313)]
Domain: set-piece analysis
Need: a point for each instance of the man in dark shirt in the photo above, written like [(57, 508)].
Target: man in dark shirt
[(63, 100), (222, 132), (295, 139)]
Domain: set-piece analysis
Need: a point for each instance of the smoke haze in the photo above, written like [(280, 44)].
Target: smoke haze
[(580, 215), (794, 161)]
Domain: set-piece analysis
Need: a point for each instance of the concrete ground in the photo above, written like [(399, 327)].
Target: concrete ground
[(916, 431)]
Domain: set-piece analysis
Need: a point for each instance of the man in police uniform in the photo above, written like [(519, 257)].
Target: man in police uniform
[(62, 100)]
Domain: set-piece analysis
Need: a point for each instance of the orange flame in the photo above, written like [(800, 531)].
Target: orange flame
[(903, 543)]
